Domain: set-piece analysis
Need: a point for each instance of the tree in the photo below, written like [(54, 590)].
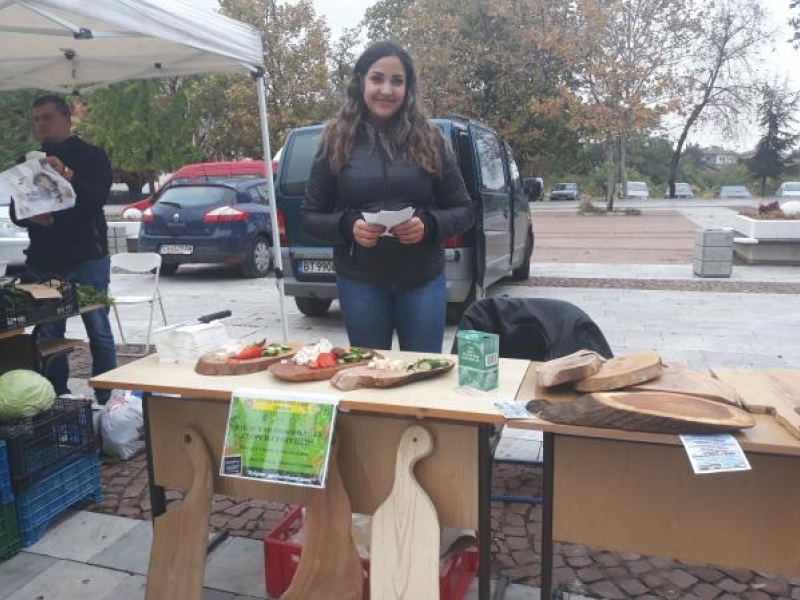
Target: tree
[(776, 116), (299, 90), (15, 123), (717, 84), (145, 126)]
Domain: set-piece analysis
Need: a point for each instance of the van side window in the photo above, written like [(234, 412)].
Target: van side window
[(493, 178), (259, 194), (297, 163)]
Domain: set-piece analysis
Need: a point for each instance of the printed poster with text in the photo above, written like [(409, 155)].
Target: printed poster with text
[(279, 437)]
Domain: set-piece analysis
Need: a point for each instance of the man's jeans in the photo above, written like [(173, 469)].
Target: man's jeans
[(373, 311), (96, 273)]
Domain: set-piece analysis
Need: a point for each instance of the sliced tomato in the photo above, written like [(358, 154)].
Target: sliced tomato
[(326, 359)]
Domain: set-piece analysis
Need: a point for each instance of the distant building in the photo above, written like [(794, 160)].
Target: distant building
[(714, 156)]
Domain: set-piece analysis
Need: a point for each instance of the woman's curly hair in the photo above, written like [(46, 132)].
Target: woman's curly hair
[(409, 135)]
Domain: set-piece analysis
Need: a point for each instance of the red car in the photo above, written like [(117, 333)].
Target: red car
[(199, 172)]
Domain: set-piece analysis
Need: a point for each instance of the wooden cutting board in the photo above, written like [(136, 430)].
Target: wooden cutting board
[(329, 566), (655, 412), (683, 380), (622, 371), (289, 371), (404, 554), (178, 555), (212, 364), (357, 378), (767, 391), (575, 366)]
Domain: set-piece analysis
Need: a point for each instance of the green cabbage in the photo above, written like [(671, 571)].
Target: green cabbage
[(24, 393)]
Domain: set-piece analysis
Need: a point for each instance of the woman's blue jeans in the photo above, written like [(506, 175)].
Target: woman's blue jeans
[(372, 312), (96, 273)]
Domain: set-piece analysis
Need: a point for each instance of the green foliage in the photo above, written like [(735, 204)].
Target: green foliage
[(15, 123)]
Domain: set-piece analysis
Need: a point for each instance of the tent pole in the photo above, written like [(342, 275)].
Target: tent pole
[(273, 208)]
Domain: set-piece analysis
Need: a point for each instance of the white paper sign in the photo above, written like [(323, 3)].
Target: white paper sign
[(513, 409), (389, 218), (37, 189), (716, 453)]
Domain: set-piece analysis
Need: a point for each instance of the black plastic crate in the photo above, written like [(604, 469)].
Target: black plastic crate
[(48, 308), (12, 310), (38, 443)]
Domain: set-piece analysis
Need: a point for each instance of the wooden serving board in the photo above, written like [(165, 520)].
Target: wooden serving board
[(212, 364), (622, 371), (356, 378), (683, 380), (578, 365), (655, 412), (767, 391), (289, 371)]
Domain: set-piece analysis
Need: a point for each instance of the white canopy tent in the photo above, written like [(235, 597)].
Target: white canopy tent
[(71, 46)]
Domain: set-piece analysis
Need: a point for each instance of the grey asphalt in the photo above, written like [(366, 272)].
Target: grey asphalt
[(99, 557)]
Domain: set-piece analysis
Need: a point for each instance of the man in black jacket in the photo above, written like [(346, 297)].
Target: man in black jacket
[(73, 243)]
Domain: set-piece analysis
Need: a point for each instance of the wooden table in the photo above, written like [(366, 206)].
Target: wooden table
[(636, 492), (457, 476)]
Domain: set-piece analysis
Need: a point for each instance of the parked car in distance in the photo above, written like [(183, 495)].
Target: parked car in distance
[(733, 191), (210, 171), (566, 191), (500, 246), (789, 189), (682, 190), (638, 189), (224, 222), (13, 239)]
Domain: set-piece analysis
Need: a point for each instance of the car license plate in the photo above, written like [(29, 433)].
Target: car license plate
[(315, 266), (175, 249)]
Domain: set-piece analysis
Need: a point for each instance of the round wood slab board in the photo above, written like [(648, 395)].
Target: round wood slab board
[(290, 371), (211, 364), (356, 378), (622, 371)]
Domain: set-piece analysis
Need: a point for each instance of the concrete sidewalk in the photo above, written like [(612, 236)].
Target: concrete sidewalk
[(750, 319)]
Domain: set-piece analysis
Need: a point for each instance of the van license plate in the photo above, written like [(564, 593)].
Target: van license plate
[(175, 249), (315, 266)]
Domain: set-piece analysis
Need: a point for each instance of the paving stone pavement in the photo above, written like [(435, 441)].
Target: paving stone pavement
[(516, 527)]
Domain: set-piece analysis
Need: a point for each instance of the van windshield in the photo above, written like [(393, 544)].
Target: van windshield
[(792, 186), (297, 162)]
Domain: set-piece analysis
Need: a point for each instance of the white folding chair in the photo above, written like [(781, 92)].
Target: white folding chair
[(147, 264)]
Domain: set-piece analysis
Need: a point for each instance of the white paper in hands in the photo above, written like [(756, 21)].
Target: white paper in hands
[(37, 189), (389, 218)]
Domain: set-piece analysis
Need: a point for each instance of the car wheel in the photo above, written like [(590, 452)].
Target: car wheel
[(259, 259), (313, 307), (523, 272), (169, 269)]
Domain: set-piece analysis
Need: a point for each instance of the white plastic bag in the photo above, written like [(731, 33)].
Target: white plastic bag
[(121, 424)]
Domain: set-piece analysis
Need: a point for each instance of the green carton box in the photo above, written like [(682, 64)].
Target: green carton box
[(477, 359)]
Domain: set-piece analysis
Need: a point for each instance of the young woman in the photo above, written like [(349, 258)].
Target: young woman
[(381, 153)]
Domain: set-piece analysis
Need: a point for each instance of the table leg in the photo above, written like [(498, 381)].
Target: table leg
[(484, 512), (548, 488), (158, 500)]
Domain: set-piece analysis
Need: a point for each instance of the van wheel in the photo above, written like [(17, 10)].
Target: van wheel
[(313, 307), (259, 259), (523, 272), (169, 269)]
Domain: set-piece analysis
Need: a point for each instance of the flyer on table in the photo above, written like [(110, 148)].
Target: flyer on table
[(279, 437)]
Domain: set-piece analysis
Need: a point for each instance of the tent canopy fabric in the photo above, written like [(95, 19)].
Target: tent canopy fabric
[(72, 45)]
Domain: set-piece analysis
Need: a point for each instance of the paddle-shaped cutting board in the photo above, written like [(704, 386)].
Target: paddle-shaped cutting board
[(178, 555), (404, 556), (212, 363), (356, 378), (329, 566), (290, 371)]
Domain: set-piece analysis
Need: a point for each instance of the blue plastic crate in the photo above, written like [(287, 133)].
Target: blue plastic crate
[(36, 444), (9, 532), (58, 489), (6, 495)]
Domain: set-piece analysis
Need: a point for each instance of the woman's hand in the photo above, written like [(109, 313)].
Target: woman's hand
[(365, 234), (409, 232)]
